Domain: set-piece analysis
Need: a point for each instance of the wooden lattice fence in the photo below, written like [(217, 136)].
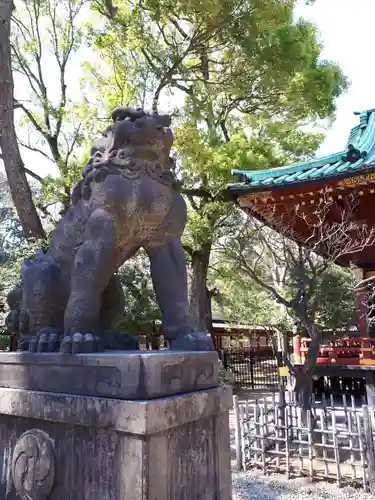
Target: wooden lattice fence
[(333, 441)]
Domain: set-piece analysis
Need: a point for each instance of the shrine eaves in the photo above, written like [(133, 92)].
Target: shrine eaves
[(267, 193)]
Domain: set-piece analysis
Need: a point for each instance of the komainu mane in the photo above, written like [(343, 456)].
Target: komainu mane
[(127, 200)]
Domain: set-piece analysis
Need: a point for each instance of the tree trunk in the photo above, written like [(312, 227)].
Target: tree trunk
[(209, 310), (303, 388), (304, 375), (19, 186), (199, 308)]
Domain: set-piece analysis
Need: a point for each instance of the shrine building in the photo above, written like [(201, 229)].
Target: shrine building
[(273, 195)]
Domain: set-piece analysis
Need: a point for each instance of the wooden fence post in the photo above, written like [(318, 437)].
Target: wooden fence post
[(237, 424), (370, 452), (370, 389)]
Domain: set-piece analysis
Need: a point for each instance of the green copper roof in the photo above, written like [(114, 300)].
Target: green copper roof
[(360, 151)]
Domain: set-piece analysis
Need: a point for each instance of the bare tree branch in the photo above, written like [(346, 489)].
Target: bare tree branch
[(29, 50), (178, 27), (34, 149), (34, 175), (198, 192), (30, 173), (31, 117)]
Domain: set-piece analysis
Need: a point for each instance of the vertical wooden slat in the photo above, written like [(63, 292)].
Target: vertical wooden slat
[(251, 429), (290, 420), (286, 435), (310, 443), (299, 436), (262, 439), (370, 452), (266, 423), (336, 446), (354, 423), (245, 437), (370, 388), (323, 428), (349, 420), (284, 398), (361, 450), (277, 430), (280, 421), (257, 430), (237, 433)]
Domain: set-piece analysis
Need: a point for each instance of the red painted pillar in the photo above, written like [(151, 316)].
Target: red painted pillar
[(297, 349)]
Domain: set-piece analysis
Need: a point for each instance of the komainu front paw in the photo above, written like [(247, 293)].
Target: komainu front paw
[(194, 341), (78, 343), (46, 340)]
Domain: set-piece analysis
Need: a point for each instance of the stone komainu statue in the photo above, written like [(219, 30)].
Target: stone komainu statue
[(127, 199)]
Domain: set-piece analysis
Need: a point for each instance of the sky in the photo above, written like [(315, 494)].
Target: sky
[(346, 30)]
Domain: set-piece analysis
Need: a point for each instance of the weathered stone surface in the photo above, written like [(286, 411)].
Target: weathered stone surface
[(33, 465), (91, 463), (174, 448), (122, 375), (135, 417), (128, 198), (172, 443)]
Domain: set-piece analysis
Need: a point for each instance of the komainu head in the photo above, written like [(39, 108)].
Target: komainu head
[(134, 135)]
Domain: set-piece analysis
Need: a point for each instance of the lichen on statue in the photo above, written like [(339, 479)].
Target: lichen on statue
[(127, 200)]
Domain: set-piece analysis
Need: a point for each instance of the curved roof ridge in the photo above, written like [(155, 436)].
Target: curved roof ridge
[(361, 137)]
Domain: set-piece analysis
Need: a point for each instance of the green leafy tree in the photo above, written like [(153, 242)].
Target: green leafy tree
[(11, 231), (141, 307), (336, 302), (241, 78), (239, 298), (243, 300)]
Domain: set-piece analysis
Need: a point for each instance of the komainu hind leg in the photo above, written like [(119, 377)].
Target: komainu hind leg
[(169, 277), (112, 310), (42, 304), (112, 304)]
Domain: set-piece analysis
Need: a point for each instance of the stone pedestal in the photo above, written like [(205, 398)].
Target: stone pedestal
[(138, 426)]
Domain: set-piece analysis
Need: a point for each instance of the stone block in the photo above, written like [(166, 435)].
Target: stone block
[(60, 446), (131, 375)]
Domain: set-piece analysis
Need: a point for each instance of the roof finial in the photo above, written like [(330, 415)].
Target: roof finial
[(353, 154)]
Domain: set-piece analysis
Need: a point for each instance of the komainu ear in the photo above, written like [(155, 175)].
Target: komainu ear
[(122, 113)]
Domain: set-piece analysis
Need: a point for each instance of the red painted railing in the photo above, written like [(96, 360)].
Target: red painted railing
[(344, 351)]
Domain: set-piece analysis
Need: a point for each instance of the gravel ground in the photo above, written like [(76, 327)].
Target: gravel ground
[(252, 485)]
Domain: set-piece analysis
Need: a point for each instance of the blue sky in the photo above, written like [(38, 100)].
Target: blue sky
[(346, 30)]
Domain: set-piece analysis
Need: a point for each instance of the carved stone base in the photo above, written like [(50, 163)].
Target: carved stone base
[(71, 447), (114, 374)]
